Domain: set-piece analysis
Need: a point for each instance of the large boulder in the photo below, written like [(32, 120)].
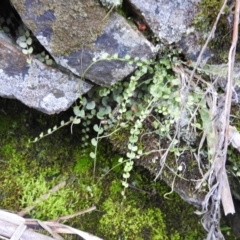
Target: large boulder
[(76, 31), (36, 85)]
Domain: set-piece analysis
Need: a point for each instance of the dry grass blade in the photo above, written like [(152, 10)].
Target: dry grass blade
[(60, 228)]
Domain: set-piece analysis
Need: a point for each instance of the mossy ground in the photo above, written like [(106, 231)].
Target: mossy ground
[(29, 170)]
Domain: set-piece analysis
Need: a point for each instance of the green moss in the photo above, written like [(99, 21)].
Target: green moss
[(78, 24), (83, 162), (208, 11), (128, 221)]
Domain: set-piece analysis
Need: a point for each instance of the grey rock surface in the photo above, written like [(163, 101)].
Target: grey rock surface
[(77, 31), (168, 19), (36, 85), (191, 45)]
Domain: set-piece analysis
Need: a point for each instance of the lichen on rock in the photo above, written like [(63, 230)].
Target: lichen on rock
[(69, 26)]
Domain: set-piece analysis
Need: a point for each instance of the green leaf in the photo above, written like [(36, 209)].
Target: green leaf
[(92, 155), (131, 155), (22, 38), (127, 57), (82, 113), (29, 41), (93, 112), (29, 61), (129, 115), (136, 59), (126, 175), (104, 110), (25, 51), (76, 121), (54, 128), (30, 50), (105, 55), (120, 160), (235, 168), (96, 128), (62, 123), (27, 33), (105, 101), (49, 62), (22, 44), (175, 81), (90, 105), (78, 112), (134, 148), (140, 152), (108, 110), (100, 116), (178, 99), (49, 131), (100, 131), (41, 135), (165, 96), (125, 184), (128, 167), (133, 138), (94, 142), (115, 56), (130, 146), (84, 101)]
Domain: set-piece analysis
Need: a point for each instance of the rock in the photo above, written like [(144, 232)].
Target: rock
[(191, 48), (75, 32), (36, 85), (171, 22), (168, 20)]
